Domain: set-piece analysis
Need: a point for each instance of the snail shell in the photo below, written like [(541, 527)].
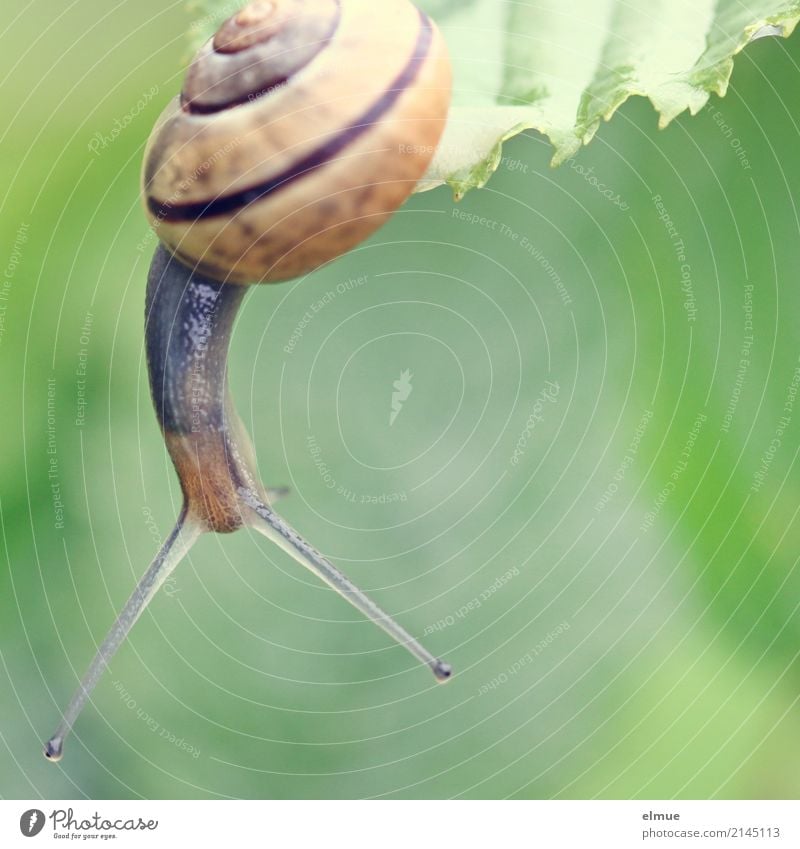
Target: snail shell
[(301, 127)]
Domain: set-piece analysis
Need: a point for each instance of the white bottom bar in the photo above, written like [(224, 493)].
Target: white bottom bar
[(402, 824)]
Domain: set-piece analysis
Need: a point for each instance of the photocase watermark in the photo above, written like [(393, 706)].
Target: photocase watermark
[(481, 221), (328, 478), (677, 471), (200, 25), (524, 243), (317, 306), (689, 302), (591, 178), (627, 461), (402, 391), (67, 826), (53, 477), (777, 439), (31, 822), (416, 149), (183, 187), (515, 166), (522, 662), (266, 92), (371, 498), (473, 604), (100, 141), (153, 724), (80, 371), (9, 273), (170, 586), (322, 467), (548, 395), (729, 133), (744, 359)]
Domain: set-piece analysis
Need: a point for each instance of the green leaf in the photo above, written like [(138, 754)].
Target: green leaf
[(560, 68)]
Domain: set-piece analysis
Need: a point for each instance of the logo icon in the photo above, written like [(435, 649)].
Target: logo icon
[(31, 822), (402, 387)]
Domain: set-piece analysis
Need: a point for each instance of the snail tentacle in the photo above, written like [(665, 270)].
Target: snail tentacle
[(267, 522), (174, 549), (188, 323)]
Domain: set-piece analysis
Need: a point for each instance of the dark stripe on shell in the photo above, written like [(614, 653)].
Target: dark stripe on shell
[(226, 204), (195, 106)]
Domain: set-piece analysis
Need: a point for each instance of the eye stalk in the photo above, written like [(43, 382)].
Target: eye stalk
[(301, 128)]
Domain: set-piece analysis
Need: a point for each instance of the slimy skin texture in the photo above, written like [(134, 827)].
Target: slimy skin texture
[(188, 321)]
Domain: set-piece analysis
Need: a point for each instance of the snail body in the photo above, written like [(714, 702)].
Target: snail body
[(301, 127), (285, 150)]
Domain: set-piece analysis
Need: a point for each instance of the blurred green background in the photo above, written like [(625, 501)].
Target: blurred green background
[(619, 598)]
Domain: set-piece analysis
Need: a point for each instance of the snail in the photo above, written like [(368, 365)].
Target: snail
[(301, 127)]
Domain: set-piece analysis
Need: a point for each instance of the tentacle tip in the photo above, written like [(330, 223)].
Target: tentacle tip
[(54, 749), (442, 670)]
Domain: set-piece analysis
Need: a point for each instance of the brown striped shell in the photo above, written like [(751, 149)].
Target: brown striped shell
[(301, 127)]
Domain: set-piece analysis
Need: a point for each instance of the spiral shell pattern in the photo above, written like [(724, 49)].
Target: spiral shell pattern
[(301, 127)]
